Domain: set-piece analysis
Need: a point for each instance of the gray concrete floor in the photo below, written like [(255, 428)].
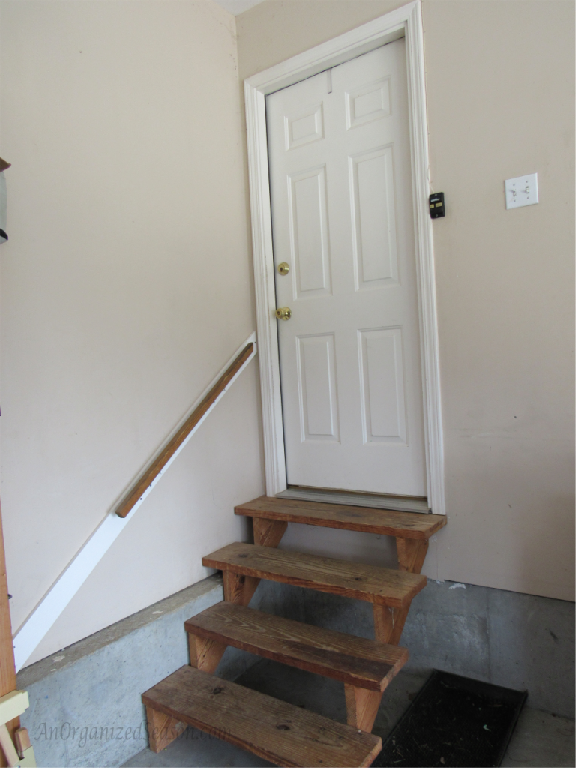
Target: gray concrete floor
[(540, 738)]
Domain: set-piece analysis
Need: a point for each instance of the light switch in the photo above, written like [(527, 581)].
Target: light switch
[(521, 191)]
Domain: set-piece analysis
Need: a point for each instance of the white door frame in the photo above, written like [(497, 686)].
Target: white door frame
[(403, 22)]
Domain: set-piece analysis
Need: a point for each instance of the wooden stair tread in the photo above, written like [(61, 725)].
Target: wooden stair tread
[(408, 525), (274, 730), (364, 582), (353, 660)]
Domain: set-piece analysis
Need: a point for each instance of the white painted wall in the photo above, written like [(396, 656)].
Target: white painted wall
[(126, 285), (500, 90)]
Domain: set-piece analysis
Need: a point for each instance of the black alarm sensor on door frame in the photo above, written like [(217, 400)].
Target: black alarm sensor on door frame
[(437, 207)]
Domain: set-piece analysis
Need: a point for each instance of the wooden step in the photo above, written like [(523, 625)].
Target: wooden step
[(353, 660), (406, 525), (276, 731), (382, 586)]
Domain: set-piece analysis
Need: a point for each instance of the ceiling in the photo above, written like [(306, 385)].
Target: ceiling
[(237, 6)]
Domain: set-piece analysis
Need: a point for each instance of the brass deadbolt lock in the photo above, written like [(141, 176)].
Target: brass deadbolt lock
[(284, 313), (283, 268)]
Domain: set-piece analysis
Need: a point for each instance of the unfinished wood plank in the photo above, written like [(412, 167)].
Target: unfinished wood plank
[(162, 729), (361, 707), (383, 623), (411, 554), (268, 533), (7, 665), (400, 616), (205, 653), (353, 660), (156, 467), (272, 729), (410, 525), (21, 741), (8, 748), (239, 588), (389, 623), (364, 582)]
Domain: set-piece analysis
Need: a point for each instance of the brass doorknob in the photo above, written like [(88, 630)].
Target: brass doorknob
[(284, 313), (283, 268)]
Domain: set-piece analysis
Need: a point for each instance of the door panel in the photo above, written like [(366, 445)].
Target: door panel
[(382, 372), (317, 388), (373, 218), (309, 232), (342, 220)]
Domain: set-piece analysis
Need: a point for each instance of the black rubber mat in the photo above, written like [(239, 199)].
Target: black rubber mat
[(454, 721)]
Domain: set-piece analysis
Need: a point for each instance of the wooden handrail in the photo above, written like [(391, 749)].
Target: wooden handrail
[(156, 467), (93, 550)]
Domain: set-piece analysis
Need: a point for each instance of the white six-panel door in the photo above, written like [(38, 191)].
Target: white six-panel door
[(342, 220)]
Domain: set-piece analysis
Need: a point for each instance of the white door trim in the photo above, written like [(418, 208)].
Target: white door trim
[(403, 22)]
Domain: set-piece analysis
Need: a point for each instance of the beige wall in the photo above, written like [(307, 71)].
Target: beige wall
[(500, 91), (126, 285)]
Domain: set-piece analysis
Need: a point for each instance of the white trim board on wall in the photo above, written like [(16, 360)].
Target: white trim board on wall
[(42, 618), (403, 22)]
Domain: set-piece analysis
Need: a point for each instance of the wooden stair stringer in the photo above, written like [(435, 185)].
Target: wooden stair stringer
[(411, 556), (266, 726), (412, 531), (361, 707)]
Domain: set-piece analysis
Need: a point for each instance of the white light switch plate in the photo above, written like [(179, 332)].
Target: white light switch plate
[(521, 191)]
